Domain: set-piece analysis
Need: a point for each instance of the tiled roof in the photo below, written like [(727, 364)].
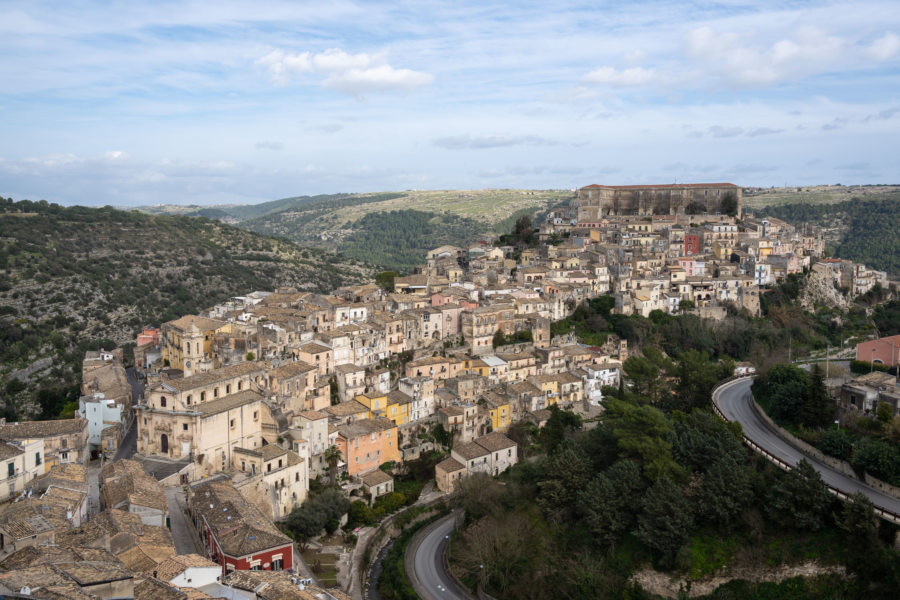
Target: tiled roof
[(214, 407), (470, 450), (376, 477), (494, 442), (42, 429), (239, 526), (125, 481), (450, 465), (208, 378), (174, 566), (365, 427), (291, 369)]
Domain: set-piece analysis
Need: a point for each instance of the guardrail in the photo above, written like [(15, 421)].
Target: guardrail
[(883, 513)]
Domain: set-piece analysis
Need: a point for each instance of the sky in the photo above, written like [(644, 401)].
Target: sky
[(137, 103)]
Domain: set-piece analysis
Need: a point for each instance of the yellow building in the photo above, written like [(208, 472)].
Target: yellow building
[(499, 412), (399, 407), (187, 343)]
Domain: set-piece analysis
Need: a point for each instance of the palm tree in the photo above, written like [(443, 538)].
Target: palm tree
[(332, 455)]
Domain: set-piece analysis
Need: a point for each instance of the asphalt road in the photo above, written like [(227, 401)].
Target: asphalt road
[(429, 565), (734, 400)]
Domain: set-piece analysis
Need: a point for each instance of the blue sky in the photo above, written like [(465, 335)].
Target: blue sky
[(195, 102)]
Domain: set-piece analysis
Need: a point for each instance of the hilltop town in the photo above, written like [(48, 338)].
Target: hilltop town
[(231, 416)]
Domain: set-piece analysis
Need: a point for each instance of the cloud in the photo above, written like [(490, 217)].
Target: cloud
[(834, 124), (760, 131), (885, 47), (619, 78), (328, 128), (467, 142), (268, 145), (855, 166), (354, 74), (717, 131), (730, 57), (884, 114), (753, 168)]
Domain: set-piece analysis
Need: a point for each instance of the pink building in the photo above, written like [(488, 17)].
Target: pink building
[(150, 335), (884, 351)]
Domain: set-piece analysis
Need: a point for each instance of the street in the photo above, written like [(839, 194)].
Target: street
[(183, 534)]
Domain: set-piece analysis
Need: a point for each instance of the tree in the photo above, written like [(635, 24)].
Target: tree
[(606, 502), (642, 433), (884, 412), (666, 519), (697, 375), (730, 204), (818, 408), (725, 492), (499, 338), (865, 556), (558, 425), (385, 280), (250, 357), (568, 470), (644, 375), (332, 456), (799, 498), (309, 519)]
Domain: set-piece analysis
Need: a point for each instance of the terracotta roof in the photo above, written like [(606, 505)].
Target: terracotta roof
[(494, 442), (375, 477), (345, 409), (126, 482), (202, 323), (203, 379), (239, 526), (154, 589), (291, 369), (214, 407), (471, 450), (365, 427), (450, 465), (174, 566), (42, 429), (312, 415)]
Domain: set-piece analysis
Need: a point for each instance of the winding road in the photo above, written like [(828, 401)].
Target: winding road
[(430, 580), (734, 401)]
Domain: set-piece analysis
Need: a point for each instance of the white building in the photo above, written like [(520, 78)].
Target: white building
[(100, 413)]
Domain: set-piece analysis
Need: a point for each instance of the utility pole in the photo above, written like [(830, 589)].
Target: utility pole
[(827, 352)]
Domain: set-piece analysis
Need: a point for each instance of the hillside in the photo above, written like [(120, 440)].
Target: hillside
[(72, 278), (355, 224), (862, 230), (757, 198)]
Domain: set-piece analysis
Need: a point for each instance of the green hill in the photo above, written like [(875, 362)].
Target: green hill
[(72, 278), (864, 231)]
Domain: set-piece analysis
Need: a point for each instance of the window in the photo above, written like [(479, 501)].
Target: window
[(202, 396), (228, 389), (10, 469), (279, 463), (65, 455), (297, 477), (188, 400), (268, 467), (37, 458), (231, 423), (255, 415), (216, 393), (184, 427), (276, 564), (240, 385), (162, 402)]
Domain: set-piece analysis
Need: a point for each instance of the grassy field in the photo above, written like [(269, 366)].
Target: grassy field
[(488, 206), (817, 194)]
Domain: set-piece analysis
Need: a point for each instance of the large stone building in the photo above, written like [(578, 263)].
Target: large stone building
[(598, 201)]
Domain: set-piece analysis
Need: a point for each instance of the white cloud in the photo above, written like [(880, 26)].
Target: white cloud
[(467, 142), (885, 47), (734, 58), (619, 78), (354, 74), (269, 145), (378, 79)]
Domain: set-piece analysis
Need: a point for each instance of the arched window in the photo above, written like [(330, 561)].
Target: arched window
[(162, 401)]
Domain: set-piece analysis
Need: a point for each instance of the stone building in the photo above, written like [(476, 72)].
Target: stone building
[(598, 201)]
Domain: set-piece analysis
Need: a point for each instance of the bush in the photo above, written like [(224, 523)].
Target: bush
[(320, 511)]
